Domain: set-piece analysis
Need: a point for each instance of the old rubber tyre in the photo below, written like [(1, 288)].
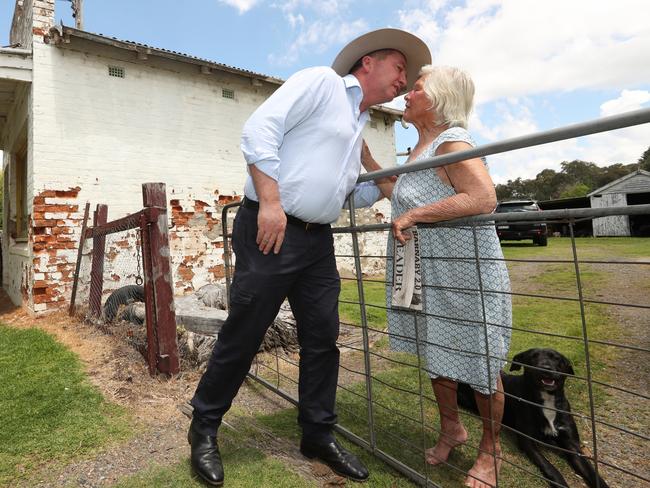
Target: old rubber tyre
[(122, 296)]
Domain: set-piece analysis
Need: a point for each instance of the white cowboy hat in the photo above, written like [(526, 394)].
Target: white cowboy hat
[(415, 51)]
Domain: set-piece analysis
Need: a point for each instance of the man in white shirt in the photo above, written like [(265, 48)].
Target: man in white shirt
[(303, 147)]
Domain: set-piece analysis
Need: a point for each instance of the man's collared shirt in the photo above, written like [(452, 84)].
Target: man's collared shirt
[(307, 137)]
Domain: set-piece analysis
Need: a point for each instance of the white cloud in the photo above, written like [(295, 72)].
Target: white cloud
[(318, 37), (523, 47), (319, 25), (242, 5), (320, 7), (517, 49), (629, 100), (516, 118), (295, 20)]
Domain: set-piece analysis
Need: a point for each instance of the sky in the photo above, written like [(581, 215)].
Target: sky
[(537, 65)]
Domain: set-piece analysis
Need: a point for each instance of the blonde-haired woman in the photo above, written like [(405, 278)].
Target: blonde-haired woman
[(456, 318)]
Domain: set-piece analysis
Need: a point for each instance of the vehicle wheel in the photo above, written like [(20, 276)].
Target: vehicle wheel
[(122, 296), (542, 241)]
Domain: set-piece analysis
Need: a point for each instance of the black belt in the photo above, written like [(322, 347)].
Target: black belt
[(253, 205)]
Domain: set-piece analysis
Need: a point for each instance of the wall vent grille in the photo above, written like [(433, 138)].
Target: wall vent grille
[(116, 71)]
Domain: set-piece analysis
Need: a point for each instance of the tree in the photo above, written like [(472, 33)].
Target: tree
[(545, 184), (644, 160), (515, 190), (576, 178), (614, 172), (577, 190), (581, 172)]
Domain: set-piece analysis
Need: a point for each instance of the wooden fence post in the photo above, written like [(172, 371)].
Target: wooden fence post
[(154, 197), (150, 312), (97, 270)]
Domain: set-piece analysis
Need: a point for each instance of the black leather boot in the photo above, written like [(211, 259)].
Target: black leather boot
[(205, 458), (340, 460)]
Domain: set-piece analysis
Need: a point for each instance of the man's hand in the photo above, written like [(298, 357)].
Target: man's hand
[(271, 224)]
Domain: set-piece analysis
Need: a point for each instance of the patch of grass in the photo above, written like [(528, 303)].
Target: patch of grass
[(50, 412), (539, 316), (607, 248), (244, 467), (283, 424), (374, 293)]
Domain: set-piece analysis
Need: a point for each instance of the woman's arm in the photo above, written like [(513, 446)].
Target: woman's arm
[(475, 193)]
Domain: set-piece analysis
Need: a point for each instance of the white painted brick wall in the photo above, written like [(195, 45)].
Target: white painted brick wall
[(109, 135), (163, 122)]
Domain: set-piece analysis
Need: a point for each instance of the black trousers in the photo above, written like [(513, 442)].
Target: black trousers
[(304, 271)]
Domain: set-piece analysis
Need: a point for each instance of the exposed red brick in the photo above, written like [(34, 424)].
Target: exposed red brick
[(41, 290), (41, 299), (218, 271), (185, 272), (199, 205), (55, 208), (70, 193), (44, 238), (225, 199), (45, 223)]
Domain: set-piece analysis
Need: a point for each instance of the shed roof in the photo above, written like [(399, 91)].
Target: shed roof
[(603, 189)]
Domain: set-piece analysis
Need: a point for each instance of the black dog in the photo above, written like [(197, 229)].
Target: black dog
[(547, 419)]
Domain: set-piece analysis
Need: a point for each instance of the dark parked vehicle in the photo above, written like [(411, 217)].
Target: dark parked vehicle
[(521, 230)]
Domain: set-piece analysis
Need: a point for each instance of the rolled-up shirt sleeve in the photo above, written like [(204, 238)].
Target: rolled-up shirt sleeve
[(365, 194), (264, 131)]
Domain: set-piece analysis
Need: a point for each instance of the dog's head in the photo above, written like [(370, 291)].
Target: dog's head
[(546, 368)]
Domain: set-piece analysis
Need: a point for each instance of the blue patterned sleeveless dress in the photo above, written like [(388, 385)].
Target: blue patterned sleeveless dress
[(450, 332)]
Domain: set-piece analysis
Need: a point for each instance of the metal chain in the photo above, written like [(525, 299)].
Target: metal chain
[(138, 247)]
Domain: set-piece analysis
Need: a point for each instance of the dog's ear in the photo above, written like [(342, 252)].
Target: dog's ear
[(567, 366), (519, 359)]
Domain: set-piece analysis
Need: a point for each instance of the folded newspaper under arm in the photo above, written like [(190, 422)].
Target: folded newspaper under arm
[(407, 278)]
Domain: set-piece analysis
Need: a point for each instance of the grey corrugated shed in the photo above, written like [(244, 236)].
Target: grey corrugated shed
[(636, 182)]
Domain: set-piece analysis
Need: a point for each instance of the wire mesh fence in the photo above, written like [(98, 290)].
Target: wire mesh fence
[(122, 267), (584, 298), (123, 281)]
